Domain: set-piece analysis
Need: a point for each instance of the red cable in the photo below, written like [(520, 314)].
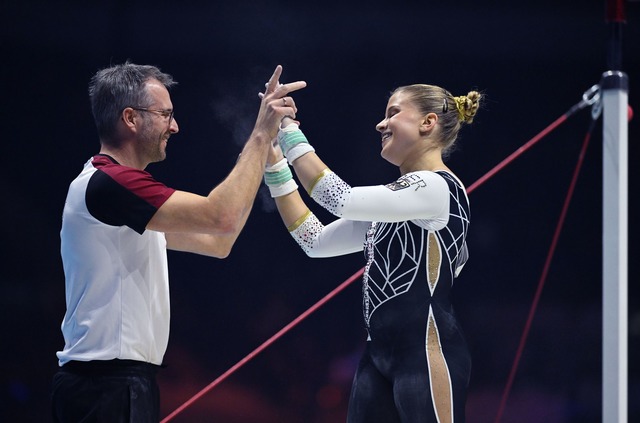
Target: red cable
[(356, 275), (265, 344), (518, 152), (543, 278)]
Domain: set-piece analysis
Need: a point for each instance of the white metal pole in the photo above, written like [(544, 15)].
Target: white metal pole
[(614, 89)]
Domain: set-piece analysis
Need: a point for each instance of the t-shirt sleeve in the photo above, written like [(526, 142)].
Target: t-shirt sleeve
[(121, 196)]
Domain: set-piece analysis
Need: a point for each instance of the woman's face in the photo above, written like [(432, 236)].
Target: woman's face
[(400, 129)]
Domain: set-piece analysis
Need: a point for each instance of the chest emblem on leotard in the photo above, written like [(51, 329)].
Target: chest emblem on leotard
[(407, 181)]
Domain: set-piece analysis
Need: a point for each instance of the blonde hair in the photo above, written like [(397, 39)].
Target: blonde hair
[(452, 111)]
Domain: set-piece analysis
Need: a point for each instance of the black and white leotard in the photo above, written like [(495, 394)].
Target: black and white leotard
[(416, 365)]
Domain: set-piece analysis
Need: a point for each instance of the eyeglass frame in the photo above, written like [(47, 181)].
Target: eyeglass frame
[(164, 113)]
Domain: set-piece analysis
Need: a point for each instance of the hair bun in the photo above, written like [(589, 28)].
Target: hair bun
[(467, 106)]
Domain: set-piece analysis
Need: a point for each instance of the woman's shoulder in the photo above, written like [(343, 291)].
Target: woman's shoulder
[(419, 179)]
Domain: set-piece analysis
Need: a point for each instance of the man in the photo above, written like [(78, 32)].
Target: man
[(118, 223)]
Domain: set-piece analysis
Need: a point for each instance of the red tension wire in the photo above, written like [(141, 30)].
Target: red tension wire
[(517, 153), (264, 345), (543, 277), (356, 275)]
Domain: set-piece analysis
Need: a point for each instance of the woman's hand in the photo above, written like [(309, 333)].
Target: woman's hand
[(287, 120), (275, 153)]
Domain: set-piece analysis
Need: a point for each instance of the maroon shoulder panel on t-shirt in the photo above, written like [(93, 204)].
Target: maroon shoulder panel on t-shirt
[(119, 195)]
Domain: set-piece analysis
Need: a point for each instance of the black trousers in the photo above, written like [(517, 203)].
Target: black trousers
[(114, 391)]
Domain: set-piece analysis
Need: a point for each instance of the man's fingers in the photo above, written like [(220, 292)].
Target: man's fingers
[(273, 81), (285, 89), (273, 88)]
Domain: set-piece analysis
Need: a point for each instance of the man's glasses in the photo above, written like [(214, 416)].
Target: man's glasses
[(167, 114)]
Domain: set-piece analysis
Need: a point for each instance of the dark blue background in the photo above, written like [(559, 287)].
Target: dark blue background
[(532, 59)]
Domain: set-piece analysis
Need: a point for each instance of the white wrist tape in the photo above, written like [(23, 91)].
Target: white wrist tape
[(298, 151), (278, 173), (283, 189), (293, 142), (276, 167), (279, 179)]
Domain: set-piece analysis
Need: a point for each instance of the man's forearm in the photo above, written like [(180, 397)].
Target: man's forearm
[(234, 197)]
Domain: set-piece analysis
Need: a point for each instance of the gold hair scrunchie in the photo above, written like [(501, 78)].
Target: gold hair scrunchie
[(461, 102)]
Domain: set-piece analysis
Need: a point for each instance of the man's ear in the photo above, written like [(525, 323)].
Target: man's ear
[(428, 122), (129, 117)]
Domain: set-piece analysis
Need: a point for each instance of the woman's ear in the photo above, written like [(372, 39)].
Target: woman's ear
[(428, 122)]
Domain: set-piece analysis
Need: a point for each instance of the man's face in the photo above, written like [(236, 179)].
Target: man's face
[(158, 123)]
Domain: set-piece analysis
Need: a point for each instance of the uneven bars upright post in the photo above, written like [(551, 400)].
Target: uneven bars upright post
[(614, 90)]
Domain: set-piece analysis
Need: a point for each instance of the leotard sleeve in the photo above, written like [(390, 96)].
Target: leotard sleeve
[(338, 238), (422, 197)]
